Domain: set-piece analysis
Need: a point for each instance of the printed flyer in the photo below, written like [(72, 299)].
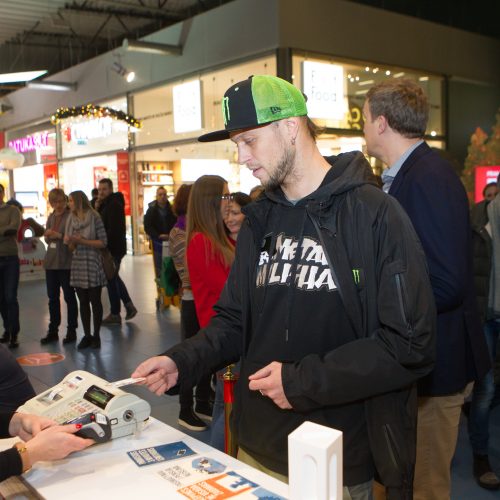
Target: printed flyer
[(204, 478), (162, 453)]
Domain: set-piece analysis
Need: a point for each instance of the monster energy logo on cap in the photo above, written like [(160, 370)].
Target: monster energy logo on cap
[(257, 101)]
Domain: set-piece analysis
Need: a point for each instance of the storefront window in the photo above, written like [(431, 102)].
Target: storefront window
[(190, 107), (86, 135), (336, 90), (38, 175), (178, 113)]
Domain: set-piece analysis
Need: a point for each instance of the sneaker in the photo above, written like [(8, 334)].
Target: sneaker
[(70, 337), (483, 474), (131, 311), (189, 420), (204, 410), (112, 319), (50, 337), (96, 343), (13, 342), (85, 342), (5, 338)]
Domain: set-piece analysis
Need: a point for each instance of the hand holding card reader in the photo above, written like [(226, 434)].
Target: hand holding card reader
[(82, 395), (95, 426)]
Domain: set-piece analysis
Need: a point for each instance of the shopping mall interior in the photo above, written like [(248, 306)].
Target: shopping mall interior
[(122, 89)]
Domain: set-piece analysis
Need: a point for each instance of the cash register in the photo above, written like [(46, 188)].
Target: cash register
[(82, 396)]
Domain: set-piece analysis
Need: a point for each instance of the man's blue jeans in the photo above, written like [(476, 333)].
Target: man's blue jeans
[(117, 290), (485, 396), (9, 282)]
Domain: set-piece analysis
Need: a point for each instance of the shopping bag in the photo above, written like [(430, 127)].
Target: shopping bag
[(169, 278)]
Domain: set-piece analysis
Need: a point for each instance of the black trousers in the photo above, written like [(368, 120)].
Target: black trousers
[(189, 328), (88, 297)]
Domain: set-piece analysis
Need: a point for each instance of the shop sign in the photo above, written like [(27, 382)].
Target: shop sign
[(483, 176), (82, 132), (323, 84), (124, 179), (187, 107), (28, 143)]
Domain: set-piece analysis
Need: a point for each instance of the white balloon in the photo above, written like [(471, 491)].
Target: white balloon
[(10, 158)]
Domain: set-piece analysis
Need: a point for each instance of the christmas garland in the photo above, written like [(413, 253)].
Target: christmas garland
[(92, 111)]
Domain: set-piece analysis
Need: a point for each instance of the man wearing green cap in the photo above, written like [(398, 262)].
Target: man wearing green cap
[(328, 302)]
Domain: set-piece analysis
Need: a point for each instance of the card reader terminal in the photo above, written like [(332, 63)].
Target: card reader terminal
[(95, 426)]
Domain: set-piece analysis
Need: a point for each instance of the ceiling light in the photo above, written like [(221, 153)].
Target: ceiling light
[(23, 76), (151, 47), (122, 71), (398, 75), (424, 78), (57, 86), (366, 82), (387, 72)]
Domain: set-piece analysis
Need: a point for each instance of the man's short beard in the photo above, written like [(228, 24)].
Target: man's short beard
[(283, 170)]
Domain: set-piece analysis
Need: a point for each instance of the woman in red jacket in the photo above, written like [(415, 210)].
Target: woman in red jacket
[(210, 252)]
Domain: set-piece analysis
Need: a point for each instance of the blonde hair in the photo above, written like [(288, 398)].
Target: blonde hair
[(81, 204), (204, 216)]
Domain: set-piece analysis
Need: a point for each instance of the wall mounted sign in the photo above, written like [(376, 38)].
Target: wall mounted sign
[(323, 84), (187, 107), (33, 142)]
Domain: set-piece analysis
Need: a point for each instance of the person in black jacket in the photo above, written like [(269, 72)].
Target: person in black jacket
[(111, 207), (42, 439), (328, 302), (158, 221), (395, 120), (15, 387), (486, 394)]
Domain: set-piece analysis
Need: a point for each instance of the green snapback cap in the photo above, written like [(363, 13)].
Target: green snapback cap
[(257, 101)]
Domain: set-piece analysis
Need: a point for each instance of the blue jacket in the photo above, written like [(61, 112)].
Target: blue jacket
[(435, 200)]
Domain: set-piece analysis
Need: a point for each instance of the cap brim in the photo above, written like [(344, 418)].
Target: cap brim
[(218, 135)]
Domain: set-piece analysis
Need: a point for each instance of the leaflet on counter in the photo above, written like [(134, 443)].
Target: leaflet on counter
[(203, 478)]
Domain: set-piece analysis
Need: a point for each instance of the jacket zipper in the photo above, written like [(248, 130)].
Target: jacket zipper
[(400, 286)]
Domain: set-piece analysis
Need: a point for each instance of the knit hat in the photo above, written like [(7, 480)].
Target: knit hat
[(257, 101)]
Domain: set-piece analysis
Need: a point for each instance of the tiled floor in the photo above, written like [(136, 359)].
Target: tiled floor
[(151, 332)]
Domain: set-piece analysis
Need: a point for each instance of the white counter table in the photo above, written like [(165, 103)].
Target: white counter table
[(107, 471)]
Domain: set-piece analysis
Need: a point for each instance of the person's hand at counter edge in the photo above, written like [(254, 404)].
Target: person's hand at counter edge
[(26, 426), (54, 443), (160, 373)]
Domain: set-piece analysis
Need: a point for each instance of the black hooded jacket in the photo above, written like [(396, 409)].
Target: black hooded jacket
[(380, 305), (112, 212), (155, 223)]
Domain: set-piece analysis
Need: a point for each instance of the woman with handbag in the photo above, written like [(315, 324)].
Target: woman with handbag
[(86, 236)]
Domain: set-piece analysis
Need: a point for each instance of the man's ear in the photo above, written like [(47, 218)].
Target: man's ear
[(292, 125), (382, 124)]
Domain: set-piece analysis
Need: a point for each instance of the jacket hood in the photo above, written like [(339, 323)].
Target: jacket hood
[(349, 171), (115, 197)]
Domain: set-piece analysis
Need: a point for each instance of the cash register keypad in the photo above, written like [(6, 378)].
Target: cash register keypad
[(75, 409)]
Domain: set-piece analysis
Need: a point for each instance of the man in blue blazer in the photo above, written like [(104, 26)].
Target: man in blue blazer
[(395, 114)]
